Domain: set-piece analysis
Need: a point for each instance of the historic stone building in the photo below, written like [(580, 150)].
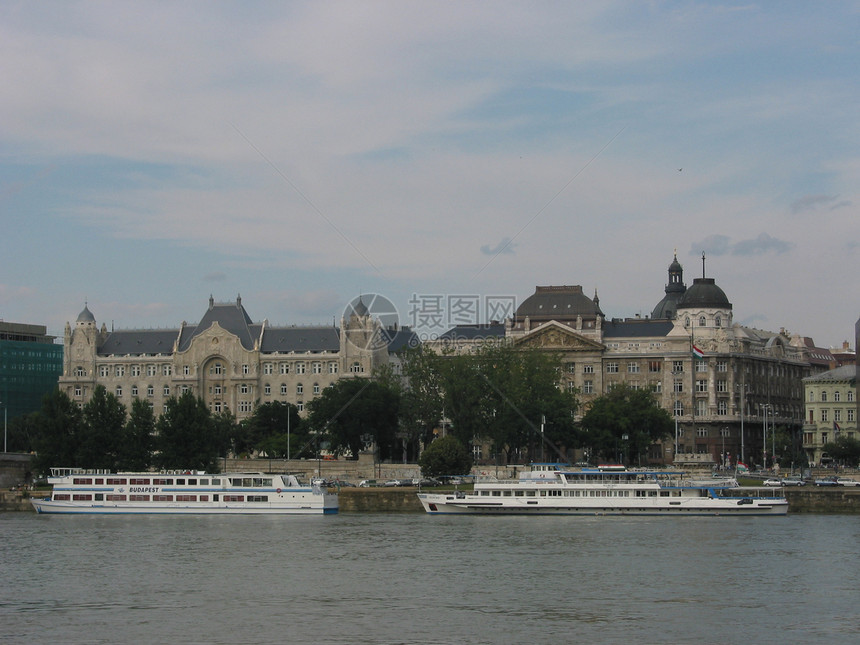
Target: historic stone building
[(228, 360), (831, 410), (718, 379)]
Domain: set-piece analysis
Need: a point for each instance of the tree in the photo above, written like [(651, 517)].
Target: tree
[(844, 450), (266, 429), (135, 453), (186, 435), (445, 456), (352, 409), (421, 404), (624, 422), (58, 427), (103, 431)]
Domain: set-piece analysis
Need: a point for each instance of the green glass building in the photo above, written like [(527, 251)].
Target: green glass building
[(30, 364)]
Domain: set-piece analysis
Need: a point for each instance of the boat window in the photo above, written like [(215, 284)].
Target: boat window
[(258, 498), (267, 482), (114, 498), (62, 496), (100, 480), (485, 493), (139, 482), (530, 493), (204, 498), (83, 480), (234, 498), (162, 498), (497, 493), (506, 493), (100, 497), (216, 482), (113, 481), (80, 497), (204, 482), (138, 498), (518, 493), (192, 482), (180, 482), (186, 498), (162, 482)]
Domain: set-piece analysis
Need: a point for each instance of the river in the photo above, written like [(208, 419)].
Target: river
[(412, 578)]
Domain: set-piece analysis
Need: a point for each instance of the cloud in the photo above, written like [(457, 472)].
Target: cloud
[(712, 245), (505, 246), (811, 203), (717, 245)]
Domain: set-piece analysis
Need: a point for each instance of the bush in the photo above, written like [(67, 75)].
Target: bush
[(445, 456)]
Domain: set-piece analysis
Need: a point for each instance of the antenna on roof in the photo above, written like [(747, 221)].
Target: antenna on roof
[(703, 264)]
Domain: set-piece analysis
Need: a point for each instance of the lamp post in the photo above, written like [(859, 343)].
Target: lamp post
[(742, 388), (765, 408), (675, 410)]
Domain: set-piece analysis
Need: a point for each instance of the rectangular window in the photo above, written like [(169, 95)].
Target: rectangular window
[(151, 370), (243, 389), (246, 369), (135, 481), (104, 370), (166, 390), (722, 366), (588, 387), (837, 415), (702, 385), (267, 368), (655, 367), (119, 370), (722, 386), (722, 408), (571, 368), (118, 391), (162, 498), (186, 370), (166, 370), (285, 368), (283, 389), (701, 407), (850, 416), (678, 387), (332, 368), (612, 367), (632, 368), (701, 366), (316, 367), (135, 370), (588, 369), (300, 368), (116, 481), (824, 414), (678, 366), (112, 497), (138, 498), (267, 389)]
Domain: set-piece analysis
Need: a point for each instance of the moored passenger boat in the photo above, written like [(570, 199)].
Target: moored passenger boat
[(550, 489), (76, 490)]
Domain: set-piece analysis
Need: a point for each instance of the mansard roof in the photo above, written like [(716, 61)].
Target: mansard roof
[(559, 303), (299, 339), (231, 317), (636, 328), (474, 332), (139, 341), (846, 373)]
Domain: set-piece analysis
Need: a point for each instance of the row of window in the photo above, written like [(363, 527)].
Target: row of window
[(824, 415), (654, 367), (115, 497), (837, 396)]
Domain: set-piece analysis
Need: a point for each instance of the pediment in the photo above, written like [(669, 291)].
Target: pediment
[(554, 336)]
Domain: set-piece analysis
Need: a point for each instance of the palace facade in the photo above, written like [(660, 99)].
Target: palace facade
[(721, 381), (228, 360)]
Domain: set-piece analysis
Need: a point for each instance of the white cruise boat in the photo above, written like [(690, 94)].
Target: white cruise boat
[(550, 489), (76, 490)]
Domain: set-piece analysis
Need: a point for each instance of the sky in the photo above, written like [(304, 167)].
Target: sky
[(446, 156)]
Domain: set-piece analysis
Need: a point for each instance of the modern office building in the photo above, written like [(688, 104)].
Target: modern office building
[(30, 364)]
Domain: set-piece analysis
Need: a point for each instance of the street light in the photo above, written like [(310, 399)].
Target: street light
[(743, 388)]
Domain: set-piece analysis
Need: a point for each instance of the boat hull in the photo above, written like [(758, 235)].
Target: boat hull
[(325, 507), (440, 504)]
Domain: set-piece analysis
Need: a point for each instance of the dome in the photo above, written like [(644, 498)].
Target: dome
[(558, 303), (86, 316), (675, 288), (704, 294)]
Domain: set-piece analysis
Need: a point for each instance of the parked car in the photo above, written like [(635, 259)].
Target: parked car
[(391, 483), (428, 481), (842, 481), (793, 481), (367, 483), (772, 482), (826, 481)]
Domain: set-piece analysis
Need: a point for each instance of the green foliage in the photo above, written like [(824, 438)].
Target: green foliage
[(104, 423), (59, 425), (624, 411), (501, 393), (445, 456), (845, 451), (135, 453), (266, 430), (186, 435), (351, 409), (421, 404)]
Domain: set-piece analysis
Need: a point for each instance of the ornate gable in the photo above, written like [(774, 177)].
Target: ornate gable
[(555, 336)]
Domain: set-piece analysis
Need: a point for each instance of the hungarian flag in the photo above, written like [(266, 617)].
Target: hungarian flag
[(742, 467), (698, 353)]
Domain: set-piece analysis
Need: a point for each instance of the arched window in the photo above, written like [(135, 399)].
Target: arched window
[(823, 395), (702, 321), (718, 321)]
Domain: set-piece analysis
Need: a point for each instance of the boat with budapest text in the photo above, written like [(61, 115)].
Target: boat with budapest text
[(551, 489), (76, 490)]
